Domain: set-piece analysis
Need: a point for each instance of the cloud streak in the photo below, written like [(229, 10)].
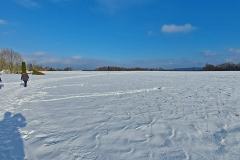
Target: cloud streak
[(234, 50), (28, 3), (209, 54), (108, 6), (173, 28), (3, 22), (113, 6), (77, 62)]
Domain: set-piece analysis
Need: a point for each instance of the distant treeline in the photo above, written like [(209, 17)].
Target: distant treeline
[(222, 67), (113, 68), (57, 69), (42, 68), (207, 67)]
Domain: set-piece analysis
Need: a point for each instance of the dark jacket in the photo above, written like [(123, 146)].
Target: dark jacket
[(24, 77)]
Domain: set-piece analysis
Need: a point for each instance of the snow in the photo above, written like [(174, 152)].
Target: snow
[(120, 116)]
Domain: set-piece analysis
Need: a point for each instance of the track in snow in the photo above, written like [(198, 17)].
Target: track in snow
[(124, 115)]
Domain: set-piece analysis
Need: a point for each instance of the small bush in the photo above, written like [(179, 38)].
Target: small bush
[(35, 72)]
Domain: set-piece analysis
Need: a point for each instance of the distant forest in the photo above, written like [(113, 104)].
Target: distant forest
[(114, 68), (222, 67), (207, 67)]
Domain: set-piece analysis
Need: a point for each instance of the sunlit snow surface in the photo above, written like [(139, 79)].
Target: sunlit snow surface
[(127, 115)]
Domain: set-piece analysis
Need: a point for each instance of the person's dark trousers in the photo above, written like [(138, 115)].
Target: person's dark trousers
[(25, 83)]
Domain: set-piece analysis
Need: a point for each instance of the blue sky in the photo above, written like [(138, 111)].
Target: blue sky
[(145, 33)]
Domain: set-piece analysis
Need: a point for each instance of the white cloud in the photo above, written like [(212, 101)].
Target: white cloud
[(37, 3), (173, 28), (28, 3), (3, 22), (150, 33), (77, 62), (166, 63), (112, 6), (228, 55), (39, 54), (234, 50), (76, 57), (60, 1), (209, 53), (233, 55)]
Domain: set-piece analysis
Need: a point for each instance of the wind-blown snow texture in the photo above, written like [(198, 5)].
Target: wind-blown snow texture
[(125, 115)]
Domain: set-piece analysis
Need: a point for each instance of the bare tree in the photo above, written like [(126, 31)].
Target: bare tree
[(10, 60), (2, 61)]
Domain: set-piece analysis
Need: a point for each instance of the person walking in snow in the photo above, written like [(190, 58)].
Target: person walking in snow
[(1, 84), (25, 78)]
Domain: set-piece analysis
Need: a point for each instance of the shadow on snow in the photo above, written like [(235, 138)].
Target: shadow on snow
[(11, 142)]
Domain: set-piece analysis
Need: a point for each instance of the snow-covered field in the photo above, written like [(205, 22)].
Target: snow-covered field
[(121, 116)]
